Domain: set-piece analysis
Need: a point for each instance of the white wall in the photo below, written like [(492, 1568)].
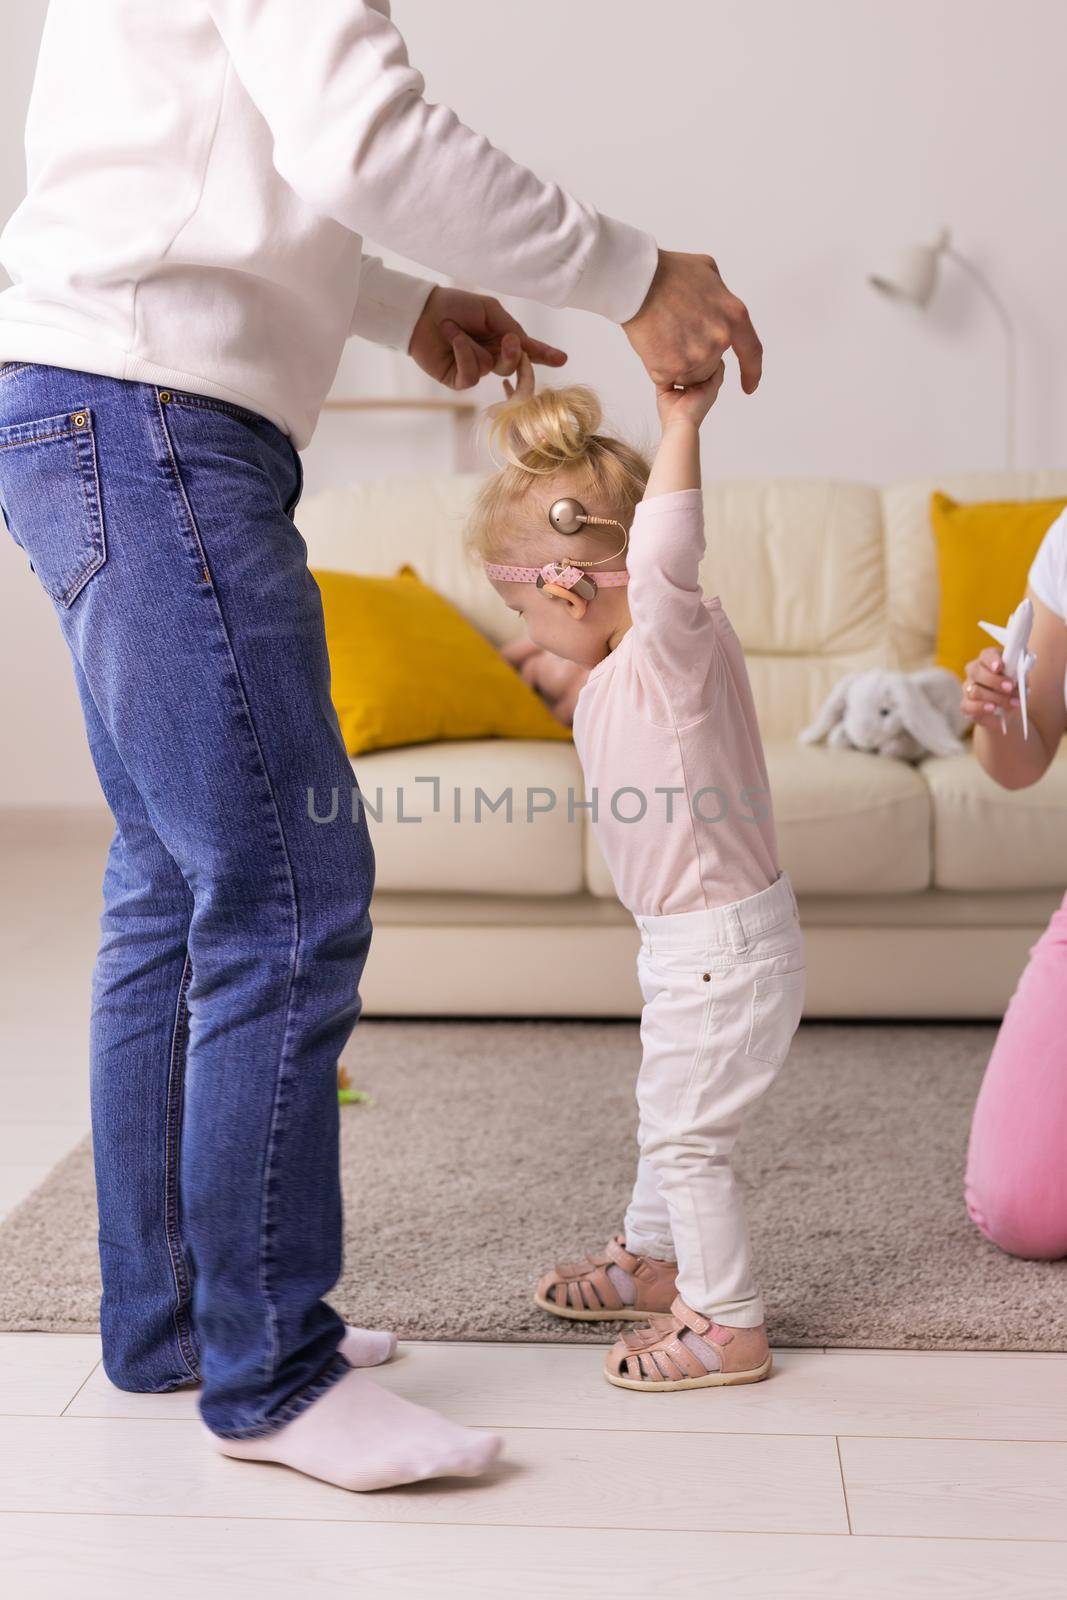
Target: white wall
[(797, 140)]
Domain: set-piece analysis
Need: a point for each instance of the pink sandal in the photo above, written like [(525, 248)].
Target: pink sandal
[(687, 1351), (584, 1290)]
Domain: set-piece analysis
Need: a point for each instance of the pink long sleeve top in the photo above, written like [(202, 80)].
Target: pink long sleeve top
[(666, 732)]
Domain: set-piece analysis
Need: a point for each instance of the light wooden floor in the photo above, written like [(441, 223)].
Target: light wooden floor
[(861, 1474)]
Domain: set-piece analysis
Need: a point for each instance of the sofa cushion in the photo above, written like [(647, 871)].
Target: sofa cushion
[(432, 832), (848, 823), (986, 837), (407, 668), (911, 556), (801, 571), (374, 527), (984, 555)]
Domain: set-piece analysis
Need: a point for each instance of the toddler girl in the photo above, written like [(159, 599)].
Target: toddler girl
[(666, 732)]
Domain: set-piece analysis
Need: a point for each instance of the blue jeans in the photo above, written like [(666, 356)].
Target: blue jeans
[(235, 928)]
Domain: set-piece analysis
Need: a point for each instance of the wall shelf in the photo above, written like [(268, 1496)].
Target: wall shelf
[(462, 412)]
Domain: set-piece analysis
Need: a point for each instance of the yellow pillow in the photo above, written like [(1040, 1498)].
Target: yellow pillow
[(984, 553), (407, 668)]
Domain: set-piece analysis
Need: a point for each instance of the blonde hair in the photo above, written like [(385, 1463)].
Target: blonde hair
[(545, 435)]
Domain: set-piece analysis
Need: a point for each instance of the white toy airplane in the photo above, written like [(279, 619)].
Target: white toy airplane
[(1017, 658)]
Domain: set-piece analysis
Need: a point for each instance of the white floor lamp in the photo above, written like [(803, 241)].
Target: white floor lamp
[(913, 277)]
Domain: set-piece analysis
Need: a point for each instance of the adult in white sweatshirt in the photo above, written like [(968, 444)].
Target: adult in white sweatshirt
[(201, 175), (185, 269)]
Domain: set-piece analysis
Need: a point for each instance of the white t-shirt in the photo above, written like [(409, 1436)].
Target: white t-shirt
[(1048, 575)]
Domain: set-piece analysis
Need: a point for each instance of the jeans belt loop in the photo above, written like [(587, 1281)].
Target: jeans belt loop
[(738, 936)]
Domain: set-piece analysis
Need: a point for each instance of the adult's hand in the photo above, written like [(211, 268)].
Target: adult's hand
[(687, 322), (461, 337)]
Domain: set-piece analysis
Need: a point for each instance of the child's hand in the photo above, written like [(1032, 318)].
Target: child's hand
[(523, 387), (691, 404)]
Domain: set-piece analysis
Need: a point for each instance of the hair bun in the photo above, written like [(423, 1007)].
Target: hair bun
[(544, 431)]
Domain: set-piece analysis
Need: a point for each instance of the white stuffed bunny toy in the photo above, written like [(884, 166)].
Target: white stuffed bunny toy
[(906, 715)]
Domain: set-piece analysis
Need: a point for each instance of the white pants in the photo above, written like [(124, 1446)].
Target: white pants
[(723, 992)]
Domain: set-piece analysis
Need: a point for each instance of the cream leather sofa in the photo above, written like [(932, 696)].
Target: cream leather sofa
[(920, 889)]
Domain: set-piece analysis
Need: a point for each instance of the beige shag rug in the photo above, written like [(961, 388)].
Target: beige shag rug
[(493, 1149)]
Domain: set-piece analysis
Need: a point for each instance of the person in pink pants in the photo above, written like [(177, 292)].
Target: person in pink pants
[(1016, 1183)]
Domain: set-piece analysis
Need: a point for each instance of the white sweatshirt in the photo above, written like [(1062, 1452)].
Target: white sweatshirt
[(201, 173)]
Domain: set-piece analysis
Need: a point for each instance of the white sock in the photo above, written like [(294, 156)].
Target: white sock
[(361, 1437), (367, 1347)]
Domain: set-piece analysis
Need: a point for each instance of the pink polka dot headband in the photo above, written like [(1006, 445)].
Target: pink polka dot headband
[(559, 573)]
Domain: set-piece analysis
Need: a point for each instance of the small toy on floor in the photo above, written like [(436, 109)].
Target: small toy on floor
[(1016, 657), (347, 1093), (906, 715)]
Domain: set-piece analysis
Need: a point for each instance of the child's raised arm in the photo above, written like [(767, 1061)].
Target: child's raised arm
[(672, 627), (681, 411)]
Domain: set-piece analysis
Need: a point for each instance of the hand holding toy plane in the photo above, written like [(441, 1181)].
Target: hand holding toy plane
[(1016, 657)]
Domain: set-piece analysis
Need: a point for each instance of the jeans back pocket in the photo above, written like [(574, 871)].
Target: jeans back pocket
[(50, 497), (777, 1004)]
